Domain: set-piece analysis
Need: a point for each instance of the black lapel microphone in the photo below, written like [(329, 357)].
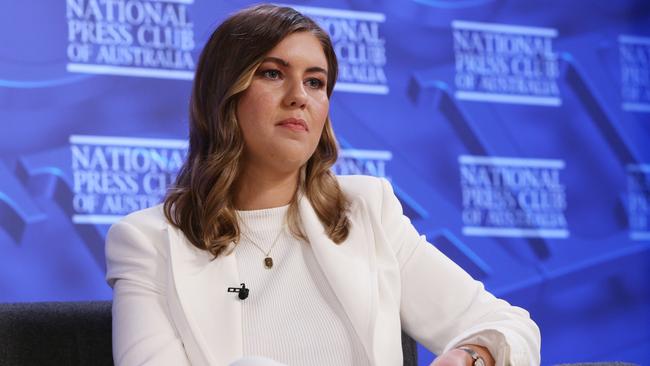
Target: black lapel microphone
[(243, 291)]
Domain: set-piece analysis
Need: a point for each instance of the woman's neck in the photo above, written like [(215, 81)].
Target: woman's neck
[(259, 188)]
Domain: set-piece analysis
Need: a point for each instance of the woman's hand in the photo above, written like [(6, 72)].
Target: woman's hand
[(458, 357)]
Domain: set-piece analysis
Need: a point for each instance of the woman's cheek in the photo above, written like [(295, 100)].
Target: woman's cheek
[(323, 110)]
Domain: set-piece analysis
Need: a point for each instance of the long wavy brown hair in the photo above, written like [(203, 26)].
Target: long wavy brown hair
[(200, 202)]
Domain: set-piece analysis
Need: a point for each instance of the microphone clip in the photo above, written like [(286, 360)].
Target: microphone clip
[(243, 291)]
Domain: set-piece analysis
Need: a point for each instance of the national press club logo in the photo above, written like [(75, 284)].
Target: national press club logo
[(513, 197), (142, 38), (634, 52), (359, 47), (638, 205), (114, 176), (365, 162), (503, 63)]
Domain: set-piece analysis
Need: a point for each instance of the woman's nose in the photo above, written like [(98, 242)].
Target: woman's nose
[(296, 95)]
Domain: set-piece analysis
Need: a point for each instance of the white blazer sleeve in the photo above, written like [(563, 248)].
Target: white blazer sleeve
[(443, 307), (143, 333)]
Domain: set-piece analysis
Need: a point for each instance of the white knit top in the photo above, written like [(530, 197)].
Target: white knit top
[(291, 314)]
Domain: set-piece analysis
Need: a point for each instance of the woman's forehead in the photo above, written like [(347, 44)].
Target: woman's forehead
[(299, 49)]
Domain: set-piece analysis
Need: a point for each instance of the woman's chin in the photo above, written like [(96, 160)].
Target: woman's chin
[(291, 166), (294, 156)]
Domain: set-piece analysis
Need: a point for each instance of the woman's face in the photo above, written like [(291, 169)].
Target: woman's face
[(283, 111)]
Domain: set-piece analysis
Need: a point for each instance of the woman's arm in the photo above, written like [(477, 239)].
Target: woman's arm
[(143, 333), (442, 307)]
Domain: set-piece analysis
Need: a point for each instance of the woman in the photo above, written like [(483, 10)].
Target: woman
[(331, 269)]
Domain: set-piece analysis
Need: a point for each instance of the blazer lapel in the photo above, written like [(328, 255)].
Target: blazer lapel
[(349, 267), (213, 315)]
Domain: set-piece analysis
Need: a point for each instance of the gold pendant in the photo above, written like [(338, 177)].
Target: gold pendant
[(268, 262)]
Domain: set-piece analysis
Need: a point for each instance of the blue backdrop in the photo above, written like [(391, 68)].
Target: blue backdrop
[(515, 134)]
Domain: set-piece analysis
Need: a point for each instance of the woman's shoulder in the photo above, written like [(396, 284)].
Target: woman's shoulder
[(152, 218), (361, 185), (139, 235), (149, 224), (374, 192)]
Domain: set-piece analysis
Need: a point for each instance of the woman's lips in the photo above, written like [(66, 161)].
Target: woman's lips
[(294, 124)]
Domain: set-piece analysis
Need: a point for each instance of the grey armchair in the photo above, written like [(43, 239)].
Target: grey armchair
[(56, 333)]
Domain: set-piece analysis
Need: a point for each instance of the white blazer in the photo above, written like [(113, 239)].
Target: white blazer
[(171, 307)]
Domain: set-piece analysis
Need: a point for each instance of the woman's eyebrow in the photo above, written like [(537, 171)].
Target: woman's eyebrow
[(285, 63), (276, 60)]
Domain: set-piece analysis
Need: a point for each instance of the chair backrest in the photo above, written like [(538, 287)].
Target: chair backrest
[(56, 333), (75, 334), (409, 350)]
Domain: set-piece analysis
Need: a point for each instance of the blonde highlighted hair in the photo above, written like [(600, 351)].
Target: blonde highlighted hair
[(200, 203)]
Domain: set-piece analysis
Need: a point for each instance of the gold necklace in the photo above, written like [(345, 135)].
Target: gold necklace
[(268, 261)]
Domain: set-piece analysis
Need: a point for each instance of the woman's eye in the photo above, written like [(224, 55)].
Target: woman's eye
[(315, 83), (271, 74)]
